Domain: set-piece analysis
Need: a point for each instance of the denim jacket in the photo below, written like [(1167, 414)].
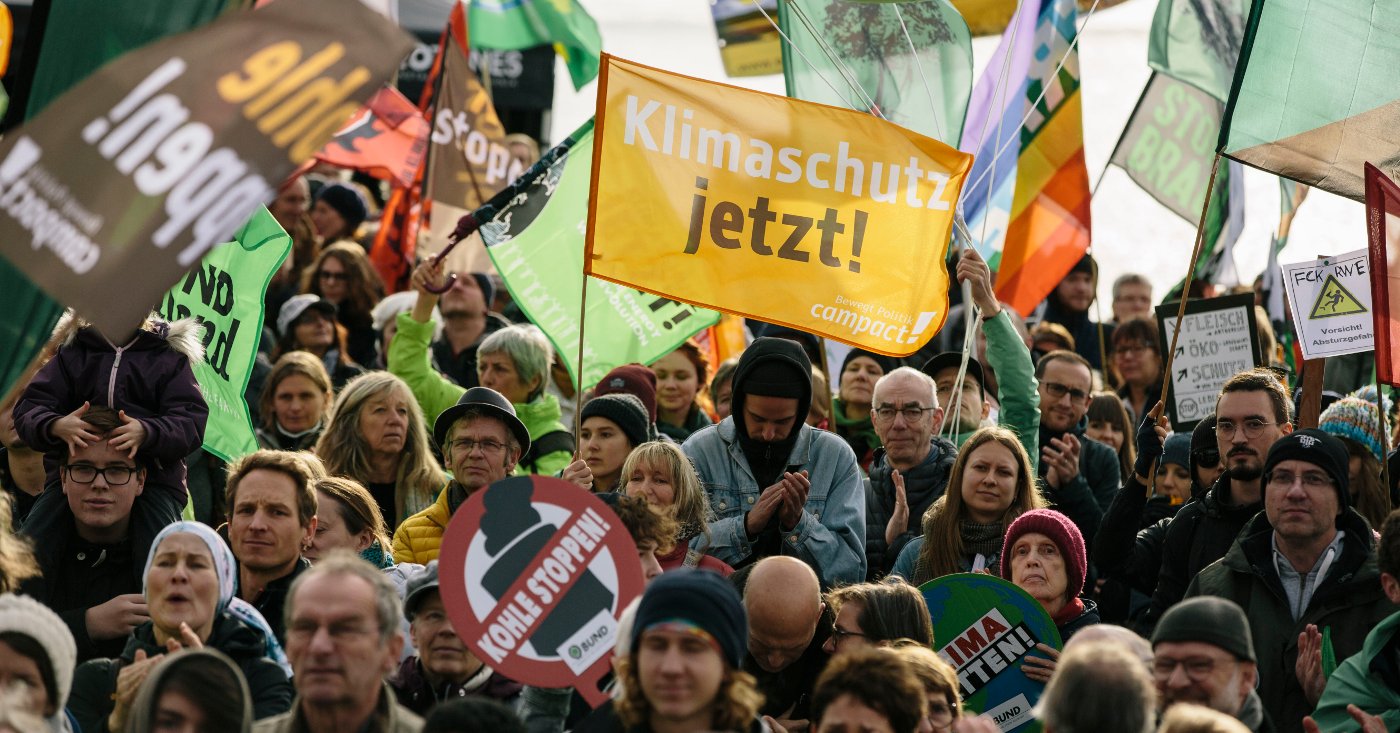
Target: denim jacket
[(831, 534)]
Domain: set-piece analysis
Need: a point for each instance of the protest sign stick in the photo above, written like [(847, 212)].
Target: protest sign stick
[(1310, 404), (1380, 425), (1190, 273), (582, 326)]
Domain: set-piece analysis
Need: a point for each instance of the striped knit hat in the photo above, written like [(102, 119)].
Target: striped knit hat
[(1354, 417)]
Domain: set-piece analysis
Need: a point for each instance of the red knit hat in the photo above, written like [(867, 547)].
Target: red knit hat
[(1062, 532), (633, 379)]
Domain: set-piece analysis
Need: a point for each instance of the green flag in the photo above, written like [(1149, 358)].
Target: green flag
[(1315, 92), (1198, 42), (910, 60), (226, 293), (80, 36), (536, 243), (514, 24)]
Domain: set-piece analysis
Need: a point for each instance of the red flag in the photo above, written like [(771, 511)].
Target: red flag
[(1382, 203), (386, 139)]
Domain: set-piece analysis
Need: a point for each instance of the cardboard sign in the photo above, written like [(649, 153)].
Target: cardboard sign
[(535, 573), (1218, 339), (121, 185), (1331, 302), (826, 220), (985, 627)]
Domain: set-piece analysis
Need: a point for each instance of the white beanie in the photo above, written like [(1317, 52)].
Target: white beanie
[(26, 616)]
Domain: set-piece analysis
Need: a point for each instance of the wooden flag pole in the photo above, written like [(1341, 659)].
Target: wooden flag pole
[(1190, 274)]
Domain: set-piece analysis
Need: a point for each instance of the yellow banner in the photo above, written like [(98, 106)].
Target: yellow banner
[(826, 220)]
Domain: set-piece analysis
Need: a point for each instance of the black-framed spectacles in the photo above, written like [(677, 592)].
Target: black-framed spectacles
[(114, 475), (838, 633), (1206, 457), (1057, 391), (911, 413)]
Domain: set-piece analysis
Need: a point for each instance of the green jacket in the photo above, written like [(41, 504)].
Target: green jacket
[(1008, 356), (410, 361), (1369, 680), (1348, 600)]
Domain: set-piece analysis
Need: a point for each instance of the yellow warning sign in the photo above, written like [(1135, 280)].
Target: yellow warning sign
[(1335, 300)]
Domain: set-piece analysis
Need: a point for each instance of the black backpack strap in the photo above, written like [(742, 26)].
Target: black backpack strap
[(551, 442)]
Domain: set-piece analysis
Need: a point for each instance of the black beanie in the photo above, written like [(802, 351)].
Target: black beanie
[(624, 409), (488, 288), (1085, 265), (347, 202), (701, 598), (1203, 435), (1208, 620), (1319, 448), (887, 364)]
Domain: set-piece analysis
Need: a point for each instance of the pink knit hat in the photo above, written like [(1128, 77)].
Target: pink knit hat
[(1062, 532)]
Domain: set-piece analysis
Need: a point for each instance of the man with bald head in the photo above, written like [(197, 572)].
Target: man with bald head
[(909, 472), (788, 625)]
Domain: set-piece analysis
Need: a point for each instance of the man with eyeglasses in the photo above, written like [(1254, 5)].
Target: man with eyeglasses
[(343, 639), (91, 577), (910, 470), (1080, 475), (482, 440), (1203, 653), (788, 626), (1307, 562), (1251, 413)]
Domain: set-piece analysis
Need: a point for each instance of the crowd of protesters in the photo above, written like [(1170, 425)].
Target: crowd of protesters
[(1240, 575)]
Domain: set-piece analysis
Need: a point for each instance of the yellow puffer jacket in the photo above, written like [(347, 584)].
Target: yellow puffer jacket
[(419, 538)]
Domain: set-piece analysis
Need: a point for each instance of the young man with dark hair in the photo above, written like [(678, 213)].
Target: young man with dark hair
[(272, 520), (1251, 413), (1306, 562), (92, 576), (1081, 476)]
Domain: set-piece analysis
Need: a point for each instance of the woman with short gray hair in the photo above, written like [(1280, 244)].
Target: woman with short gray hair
[(515, 361)]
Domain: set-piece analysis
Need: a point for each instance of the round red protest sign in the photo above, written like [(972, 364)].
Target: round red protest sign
[(534, 574)]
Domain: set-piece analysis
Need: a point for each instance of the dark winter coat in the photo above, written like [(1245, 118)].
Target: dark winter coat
[(923, 485), (416, 693), (273, 600), (1200, 533), (149, 377), (1088, 496), (461, 366), (95, 681), (1128, 547), (76, 575), (1347, 603)]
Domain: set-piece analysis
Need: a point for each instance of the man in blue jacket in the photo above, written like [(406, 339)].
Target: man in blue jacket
[(778, 486)]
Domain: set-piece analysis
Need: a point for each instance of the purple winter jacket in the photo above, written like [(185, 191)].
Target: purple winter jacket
[(150, 378)]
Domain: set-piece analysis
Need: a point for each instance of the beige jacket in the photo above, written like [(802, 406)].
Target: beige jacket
[(389, 717)]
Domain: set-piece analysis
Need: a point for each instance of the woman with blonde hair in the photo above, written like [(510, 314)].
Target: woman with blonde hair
[(376, 435), (990, 485), (660, 473), (940, 683), (348, 517), (295, 400)]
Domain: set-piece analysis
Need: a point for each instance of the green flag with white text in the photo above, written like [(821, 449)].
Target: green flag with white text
[(1198, 42), (537, 242), (225, 292), (516, 24), (1316, 94)]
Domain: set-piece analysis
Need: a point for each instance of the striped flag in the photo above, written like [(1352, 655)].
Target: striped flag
[(1029, 189)]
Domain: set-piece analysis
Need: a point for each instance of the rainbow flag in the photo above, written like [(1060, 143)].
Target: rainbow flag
[(1026, 201)]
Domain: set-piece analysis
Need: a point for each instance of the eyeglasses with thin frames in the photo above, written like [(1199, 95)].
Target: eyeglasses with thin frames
[(838, 634), (488, 446), (1252, 428)]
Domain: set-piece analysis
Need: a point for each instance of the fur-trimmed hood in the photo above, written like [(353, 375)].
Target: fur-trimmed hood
[(184, 336)]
